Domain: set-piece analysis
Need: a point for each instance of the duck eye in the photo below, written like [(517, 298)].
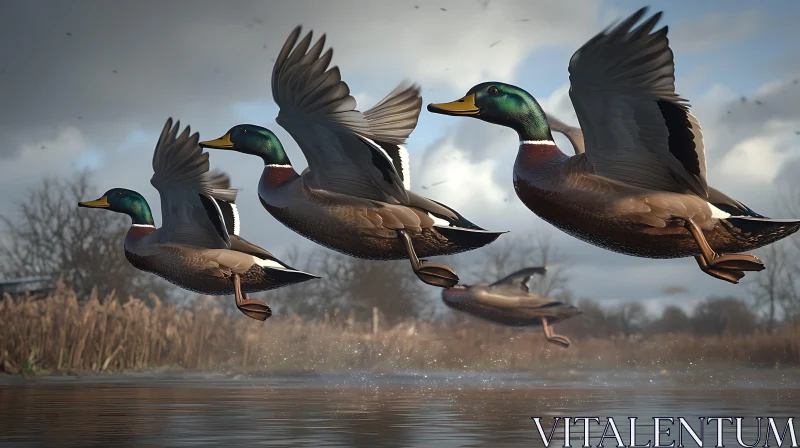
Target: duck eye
[(244, 131), (119, 194), (493, 90)]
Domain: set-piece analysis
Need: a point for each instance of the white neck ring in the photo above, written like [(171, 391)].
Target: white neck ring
[(537, 142)]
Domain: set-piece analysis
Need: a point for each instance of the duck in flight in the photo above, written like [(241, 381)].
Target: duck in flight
[(509, 302), (354, 196), (198, 246), (637, 184)]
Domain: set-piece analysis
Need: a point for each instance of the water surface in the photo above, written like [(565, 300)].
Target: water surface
[(354, 409)]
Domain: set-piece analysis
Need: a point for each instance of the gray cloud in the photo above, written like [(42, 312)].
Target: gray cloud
[(709, 31), (130, 64)]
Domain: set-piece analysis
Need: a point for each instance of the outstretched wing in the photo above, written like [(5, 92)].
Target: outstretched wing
[(391, 121), (316, 108), (637, 129), (193, 201), (519, 279)]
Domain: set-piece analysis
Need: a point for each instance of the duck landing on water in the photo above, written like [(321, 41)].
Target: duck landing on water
[(510, 302)]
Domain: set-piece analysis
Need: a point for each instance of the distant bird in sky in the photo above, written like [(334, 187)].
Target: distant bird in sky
[(495, 43), (443, 9), (743, 99), (674, 290), (425, 187), (759, 102)]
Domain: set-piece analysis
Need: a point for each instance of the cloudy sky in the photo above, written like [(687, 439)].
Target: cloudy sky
[(88, 85)]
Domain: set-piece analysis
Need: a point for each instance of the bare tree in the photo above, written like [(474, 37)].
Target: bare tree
[(301, 298), (718, 315), (595, 321), (391, 286), (771, 287), (789, 203), (673, 320), (632, 317), (351, 284), (46, 234)]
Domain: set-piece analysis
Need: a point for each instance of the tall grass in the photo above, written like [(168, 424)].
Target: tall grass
[(59, 333)]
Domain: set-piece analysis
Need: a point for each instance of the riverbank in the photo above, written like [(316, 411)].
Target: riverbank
[(59, 335)]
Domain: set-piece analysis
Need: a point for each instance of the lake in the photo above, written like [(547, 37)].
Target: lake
[(355, 409)]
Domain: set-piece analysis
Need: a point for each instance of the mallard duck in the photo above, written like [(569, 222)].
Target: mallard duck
[(354, 196), (640, 186), (510, 302), (198, 246)]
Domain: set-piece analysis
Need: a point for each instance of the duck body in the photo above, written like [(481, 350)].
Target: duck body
[(205, 271), (475, 300), (361, 227), (509, 302), (628, 219)]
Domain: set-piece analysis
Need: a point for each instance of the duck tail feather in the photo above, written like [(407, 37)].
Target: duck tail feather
[(771, 229)]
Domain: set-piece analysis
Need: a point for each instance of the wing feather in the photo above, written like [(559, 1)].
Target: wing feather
[(637, 129), (189, 193), (519, 280), (316, 108)]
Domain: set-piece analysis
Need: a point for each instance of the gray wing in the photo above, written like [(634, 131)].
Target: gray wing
[(316, 108), (391, 121), (394, 117), (190, 195), (637, 129), (519, 280), (573, 134)]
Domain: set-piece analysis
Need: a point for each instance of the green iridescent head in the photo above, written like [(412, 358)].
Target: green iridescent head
[(253, 140), (125, 201), (502, 104)]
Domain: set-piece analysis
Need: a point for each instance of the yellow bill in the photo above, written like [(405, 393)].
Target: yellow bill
[(97, 203), (223, 142), (464, 106)]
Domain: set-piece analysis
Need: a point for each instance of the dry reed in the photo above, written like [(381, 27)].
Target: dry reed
[(59, 333)]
